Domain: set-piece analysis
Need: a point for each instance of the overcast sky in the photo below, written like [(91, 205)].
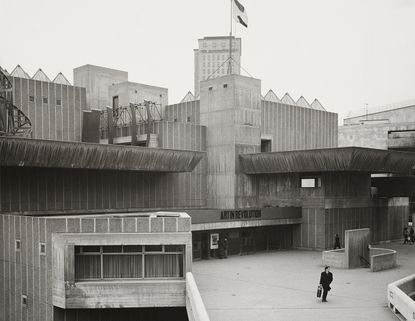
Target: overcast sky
[(344, 52)]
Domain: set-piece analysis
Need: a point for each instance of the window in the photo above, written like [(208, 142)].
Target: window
[(18, 245), (24, 300), (225, 85), (58, 102), (310, 182), (32, 99), (42, 248), (45, 100), (128, 262), (210, 88), (114, 102), (265, 145), (189, 119)]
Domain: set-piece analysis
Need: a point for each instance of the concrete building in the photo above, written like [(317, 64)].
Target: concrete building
[(107, 87), (53, 107), (295, 207), (390, 127), (385, 127), (211, 56), (63, 256), (266, 173), (97, 81)]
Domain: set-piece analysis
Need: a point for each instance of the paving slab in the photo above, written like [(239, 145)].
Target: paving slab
[(282, 285)]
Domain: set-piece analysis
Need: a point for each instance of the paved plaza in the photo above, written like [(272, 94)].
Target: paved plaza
[(282, 285)]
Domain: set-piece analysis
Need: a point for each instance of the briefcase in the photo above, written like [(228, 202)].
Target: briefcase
[(319, 291)]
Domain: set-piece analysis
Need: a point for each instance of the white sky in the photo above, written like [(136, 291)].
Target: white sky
[(344, 52)]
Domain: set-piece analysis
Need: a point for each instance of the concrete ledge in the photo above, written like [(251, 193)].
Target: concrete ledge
[(399, 300), (382, 259), (335, 258), (194, 305)]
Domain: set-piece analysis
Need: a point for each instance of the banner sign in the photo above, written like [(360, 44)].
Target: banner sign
[(240, 214)]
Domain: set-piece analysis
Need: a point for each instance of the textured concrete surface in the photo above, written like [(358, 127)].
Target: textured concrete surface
[(282, 285)]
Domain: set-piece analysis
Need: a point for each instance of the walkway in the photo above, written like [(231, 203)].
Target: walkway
[(282, 285)]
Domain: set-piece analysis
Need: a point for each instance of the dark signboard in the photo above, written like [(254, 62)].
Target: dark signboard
[(269, 213), (240, 214)]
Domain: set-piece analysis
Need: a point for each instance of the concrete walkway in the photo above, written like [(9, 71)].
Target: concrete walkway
[(282, 285)]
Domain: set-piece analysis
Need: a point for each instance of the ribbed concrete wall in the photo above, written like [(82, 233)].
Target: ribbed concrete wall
[(297, 128), (59, 190), (51, 120), (183, 112)]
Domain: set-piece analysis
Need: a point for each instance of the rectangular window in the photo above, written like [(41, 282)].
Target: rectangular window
[(127, 262), (42, 248), (58, 102), (265, 145), (310, 182), (24, 300), (45, 100), (115, 102), (18, 245), (32, 99)]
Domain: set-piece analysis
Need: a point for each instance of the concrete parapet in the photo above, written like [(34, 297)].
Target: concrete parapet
[(335, 258), (196, 310), (382, 259), (400, 295)]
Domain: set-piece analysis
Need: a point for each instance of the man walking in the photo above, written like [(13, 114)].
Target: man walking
[(326, 278)]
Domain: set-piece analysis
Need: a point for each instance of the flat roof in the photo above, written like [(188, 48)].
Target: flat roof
[(346, 159), (59, 154)]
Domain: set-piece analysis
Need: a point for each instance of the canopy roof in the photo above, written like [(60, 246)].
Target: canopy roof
[(58, 154), (347, 159)]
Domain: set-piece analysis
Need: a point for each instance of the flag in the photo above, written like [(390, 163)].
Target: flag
[(239, 13)]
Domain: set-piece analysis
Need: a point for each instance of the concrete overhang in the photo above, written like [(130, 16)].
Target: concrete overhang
[(59, 154), (343, 159)]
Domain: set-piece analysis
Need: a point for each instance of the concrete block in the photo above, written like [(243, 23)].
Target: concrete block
[(184, 224), (143, 225), (115, 225), (101, 225), (156, 224), (129, 225), (87, 225), (170, 224), (74, 225)]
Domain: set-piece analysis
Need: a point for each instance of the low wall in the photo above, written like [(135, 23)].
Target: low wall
[(382, 259), (194, 305), (399, 297), (335, 258)]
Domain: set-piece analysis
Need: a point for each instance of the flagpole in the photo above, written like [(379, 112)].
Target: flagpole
[(230, 44)]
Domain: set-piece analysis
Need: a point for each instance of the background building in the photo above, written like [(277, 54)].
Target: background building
[(385, 127), (97, 80), (107, 87), (210, 58)]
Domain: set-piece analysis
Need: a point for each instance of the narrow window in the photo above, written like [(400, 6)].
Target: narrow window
[(58, 102), (24, 300), (45, 100), (42, 248), (32, 99), (114, 102), (18, 245)]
